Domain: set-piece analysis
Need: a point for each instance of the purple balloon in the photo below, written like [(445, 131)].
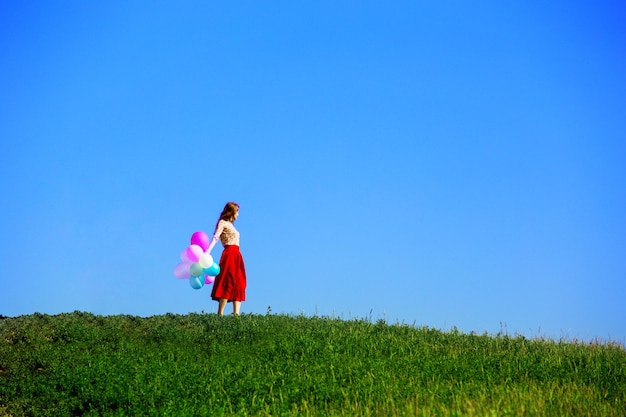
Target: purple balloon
[(181, 271), (201, 239), (208, 279), (183, 256)]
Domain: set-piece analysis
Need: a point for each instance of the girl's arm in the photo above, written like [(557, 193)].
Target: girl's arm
[(216, 236), (212, 243)]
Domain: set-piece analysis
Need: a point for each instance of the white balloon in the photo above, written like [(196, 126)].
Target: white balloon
[(206, 260)]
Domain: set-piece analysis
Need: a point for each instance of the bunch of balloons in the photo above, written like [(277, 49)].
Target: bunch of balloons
[(197, 264)]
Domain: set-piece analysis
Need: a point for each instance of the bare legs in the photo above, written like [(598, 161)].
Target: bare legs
[(222, 304)]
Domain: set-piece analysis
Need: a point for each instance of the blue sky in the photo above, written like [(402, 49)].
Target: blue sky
[(444, 164)]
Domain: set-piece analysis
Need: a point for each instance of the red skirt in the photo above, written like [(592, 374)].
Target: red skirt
[(230, 283)]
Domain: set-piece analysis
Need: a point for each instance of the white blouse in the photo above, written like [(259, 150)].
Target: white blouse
[(226, 233)]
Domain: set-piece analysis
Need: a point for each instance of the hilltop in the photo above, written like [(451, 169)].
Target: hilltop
[(200, 364)]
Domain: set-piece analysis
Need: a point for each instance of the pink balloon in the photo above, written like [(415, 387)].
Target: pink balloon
[(183, 256), (201, 239), (209, 279), (194, 252), (181, 271)]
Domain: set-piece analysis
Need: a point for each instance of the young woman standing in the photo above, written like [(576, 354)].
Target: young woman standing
[(230, 283)]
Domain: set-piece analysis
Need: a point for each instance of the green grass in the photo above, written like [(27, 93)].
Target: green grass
[(279, 365)]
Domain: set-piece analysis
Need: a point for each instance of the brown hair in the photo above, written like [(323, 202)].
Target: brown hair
[(228, 214)]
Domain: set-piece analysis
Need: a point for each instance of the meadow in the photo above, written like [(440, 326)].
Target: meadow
[(80, 364)]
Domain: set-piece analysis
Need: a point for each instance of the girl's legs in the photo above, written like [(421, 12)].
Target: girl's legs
[(220, 306), (236, 307)]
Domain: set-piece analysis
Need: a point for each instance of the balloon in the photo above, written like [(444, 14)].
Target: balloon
[(213, 270), (183, 256), (194, 252), (195, 269), (196, 283), (206, 260), (201, 239), (208, 279), (181, 270)]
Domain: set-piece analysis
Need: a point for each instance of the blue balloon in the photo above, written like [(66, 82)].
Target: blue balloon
[(213, 270), (196, 282)]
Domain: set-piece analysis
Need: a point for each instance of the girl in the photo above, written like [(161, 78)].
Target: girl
[(230, 283)]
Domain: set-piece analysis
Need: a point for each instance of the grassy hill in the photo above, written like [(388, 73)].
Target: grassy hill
[(201, 365)]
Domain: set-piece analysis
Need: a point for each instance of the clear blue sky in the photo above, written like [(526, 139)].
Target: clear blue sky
[(448, 164)]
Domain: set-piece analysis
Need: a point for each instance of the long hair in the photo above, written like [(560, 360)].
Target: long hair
[(228, 214)]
